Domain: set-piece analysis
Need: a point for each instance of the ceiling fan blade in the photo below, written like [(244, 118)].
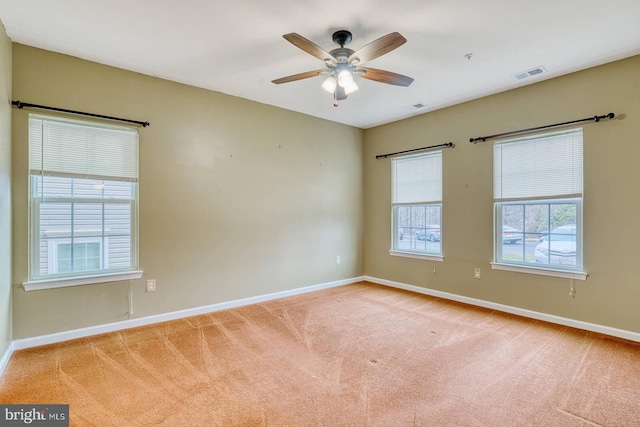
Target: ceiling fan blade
[(376, 48), (300, 76), (309, 47), (383, 76)]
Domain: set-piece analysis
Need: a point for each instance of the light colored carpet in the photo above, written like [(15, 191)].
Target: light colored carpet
[(357, 355)]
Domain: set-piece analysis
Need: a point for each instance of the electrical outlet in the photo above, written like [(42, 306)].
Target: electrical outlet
[(337, 259), (477, 273), (151, 285)]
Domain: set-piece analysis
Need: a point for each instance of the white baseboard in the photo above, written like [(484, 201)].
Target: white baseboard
[(4, 361), (20, 344), (593, 327)]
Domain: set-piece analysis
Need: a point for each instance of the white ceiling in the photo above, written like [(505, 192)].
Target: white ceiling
[(236, 47)]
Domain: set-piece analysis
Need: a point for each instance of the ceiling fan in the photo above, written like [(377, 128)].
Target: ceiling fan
[(342, 63)]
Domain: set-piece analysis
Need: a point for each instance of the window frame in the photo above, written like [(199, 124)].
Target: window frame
[(499, 263), (396, 251), (37, 280)]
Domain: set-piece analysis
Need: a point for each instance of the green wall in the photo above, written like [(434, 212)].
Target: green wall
[(5, 190), (237, 199), (611, 293)]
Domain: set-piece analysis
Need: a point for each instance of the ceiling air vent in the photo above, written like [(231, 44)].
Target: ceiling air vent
[(529, 73)]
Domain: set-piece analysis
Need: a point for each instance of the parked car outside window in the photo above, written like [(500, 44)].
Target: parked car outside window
[(430, 233), (558, 247), (510, 234)]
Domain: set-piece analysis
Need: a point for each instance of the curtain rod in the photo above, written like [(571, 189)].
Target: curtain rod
[(516, 132), (21, 105), (447, 145)]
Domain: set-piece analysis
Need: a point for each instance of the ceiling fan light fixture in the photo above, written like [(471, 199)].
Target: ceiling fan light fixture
[(330, 84), (345, 78), (350, 88)]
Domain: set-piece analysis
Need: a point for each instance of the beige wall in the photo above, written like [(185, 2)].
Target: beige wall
[(5, 190), (237, 198), (241, 199), (611, 293)]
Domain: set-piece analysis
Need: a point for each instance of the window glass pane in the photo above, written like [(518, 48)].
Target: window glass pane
[(55, 219), (117, 219), (563, 214), (418, 229), (59, 187), (79, 251), (64, 258), (558, 247), (64, 265), (92, 251), (514, 244), (544, 227), (119, 252), (101, 231), (118, 190), (52, 186), (537, 220), (87, 188), (87, 219), (86, 257)]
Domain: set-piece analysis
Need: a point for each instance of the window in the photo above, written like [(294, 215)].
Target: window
[(538, 185), (83, 200), (84, 256), (417, 205)]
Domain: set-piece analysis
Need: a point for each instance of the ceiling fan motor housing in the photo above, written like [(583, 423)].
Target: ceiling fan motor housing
[(342, 37), (341, 54)]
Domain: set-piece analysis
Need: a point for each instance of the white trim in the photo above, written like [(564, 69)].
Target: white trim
[(607, 330), (4, 361), (36, 285), (578, 275), (23, 343), (438, 258)]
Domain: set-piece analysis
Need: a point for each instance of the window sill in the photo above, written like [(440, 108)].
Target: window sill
[(36, 285), (438, 258), (578, 275)]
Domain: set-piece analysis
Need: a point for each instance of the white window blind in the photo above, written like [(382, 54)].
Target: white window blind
[(539, 167), (417, 179), (69, 148)]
